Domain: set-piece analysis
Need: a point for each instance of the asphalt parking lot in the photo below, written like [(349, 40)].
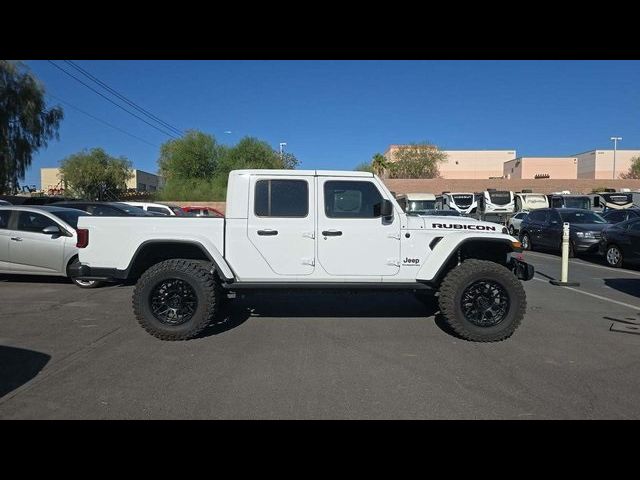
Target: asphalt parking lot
[(67, 353)]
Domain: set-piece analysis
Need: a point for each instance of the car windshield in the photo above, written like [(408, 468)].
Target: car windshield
[(581, 217), (70, 217), (420, 206)]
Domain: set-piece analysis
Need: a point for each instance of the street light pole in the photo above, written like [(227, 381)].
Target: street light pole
[(282, 145), (615, 147)]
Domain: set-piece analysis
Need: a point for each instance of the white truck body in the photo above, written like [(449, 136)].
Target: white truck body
[(306, 248), (531, 201)]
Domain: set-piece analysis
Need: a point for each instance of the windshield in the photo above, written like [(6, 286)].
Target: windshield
[(500, 198), (419, 206), (581, 217), (577, 202), (463, 201), (70, 217)]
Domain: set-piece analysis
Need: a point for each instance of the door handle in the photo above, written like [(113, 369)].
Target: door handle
[(267, 232), (331, 233), (16, 239)]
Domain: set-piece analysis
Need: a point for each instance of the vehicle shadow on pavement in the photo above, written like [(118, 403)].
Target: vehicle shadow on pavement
[(33, 279), (338, 305), (630, 286), (18, 366)]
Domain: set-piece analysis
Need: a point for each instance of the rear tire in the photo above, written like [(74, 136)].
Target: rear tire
[(512, 231), (482, 301), (176, 299), (87, 283), (613, 256)]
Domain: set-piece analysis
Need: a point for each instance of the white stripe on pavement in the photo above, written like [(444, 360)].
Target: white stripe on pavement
[(573, 262), (628, 305)]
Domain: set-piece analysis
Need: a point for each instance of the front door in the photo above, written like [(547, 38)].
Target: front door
[(353, 238), (282, 221), (30, 250)]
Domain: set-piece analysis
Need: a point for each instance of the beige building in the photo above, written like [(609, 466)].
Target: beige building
[(468, 164), (541, 167), (52, 182), (598, 164)]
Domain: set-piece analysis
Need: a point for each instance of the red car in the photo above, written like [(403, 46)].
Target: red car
[(198, 211)]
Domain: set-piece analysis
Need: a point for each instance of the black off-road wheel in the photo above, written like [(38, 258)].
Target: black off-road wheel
[(482, 301), (176, 299)]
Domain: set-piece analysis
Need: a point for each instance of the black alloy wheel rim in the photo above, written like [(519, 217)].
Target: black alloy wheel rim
[(173, 301), (485, 303)]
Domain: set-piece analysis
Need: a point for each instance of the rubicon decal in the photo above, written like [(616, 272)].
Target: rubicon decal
[(458, 226)]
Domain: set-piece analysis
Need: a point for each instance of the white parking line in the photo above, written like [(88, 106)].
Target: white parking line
[(573, 262), (628, 305)]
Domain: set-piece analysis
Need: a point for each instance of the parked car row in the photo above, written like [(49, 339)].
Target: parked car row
[(44, 240), (589, 232)]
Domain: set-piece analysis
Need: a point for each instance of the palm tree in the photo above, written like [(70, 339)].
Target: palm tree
[(379, 164)]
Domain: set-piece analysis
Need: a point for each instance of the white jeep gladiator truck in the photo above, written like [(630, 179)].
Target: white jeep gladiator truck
[(320, 230)]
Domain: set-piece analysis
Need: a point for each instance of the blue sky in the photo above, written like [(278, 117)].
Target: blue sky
[(336, 114)]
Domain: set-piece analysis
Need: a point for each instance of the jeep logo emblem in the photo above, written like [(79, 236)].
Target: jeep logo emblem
[(410, 261)]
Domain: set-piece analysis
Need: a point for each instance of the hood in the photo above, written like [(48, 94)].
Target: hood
[(589, 227), (461, 224)]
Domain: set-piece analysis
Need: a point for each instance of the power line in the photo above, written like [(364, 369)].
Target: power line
[(102, 121), (109, 100), (123, 98)]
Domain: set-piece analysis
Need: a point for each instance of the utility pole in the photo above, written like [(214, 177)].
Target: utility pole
[(615, 147), (282, 145)]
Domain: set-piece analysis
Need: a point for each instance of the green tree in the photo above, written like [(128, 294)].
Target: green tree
[(253, 153), (416, 160), (90, 174), (379, 164), (634, 170), (364, 167), (195, 155), (26, 125)]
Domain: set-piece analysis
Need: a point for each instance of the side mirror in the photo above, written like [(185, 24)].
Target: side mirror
[(52, 230), (386, 209)]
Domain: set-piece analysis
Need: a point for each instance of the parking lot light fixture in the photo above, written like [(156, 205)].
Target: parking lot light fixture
[(615, 141)]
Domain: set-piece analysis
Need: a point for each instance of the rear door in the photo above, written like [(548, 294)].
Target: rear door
[(552, 230), (5, 235), (281, 222), (30, 250), (634, 236), (353, 238)]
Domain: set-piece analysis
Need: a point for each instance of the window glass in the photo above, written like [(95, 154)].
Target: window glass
[(161, 210), (71, 217), (348, 199), (582, 217), (104, 210), (34, 222), (4, 218), (281, 198), (537, 216), (617, 216)]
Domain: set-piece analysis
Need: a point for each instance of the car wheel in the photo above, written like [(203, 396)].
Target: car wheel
[(87, 283), (482, 301), (512, 231), (526, 242), (613, 256)]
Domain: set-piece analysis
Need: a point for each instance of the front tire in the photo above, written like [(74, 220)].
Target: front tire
[(482, 301), (512, 231), (613, 256), (176, 299), (526, 242)]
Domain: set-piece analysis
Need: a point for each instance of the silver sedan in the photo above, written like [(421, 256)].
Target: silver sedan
[(40, 241)]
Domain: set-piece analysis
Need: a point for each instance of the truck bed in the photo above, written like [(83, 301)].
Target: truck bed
[(113, 241)]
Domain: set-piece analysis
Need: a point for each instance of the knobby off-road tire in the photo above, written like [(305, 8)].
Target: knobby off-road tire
[(186, 286), (495, 282)]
